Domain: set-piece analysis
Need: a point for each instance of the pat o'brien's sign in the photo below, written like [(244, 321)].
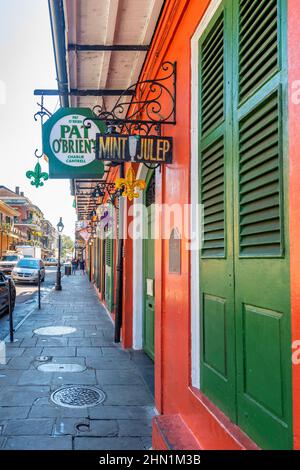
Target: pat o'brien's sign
[(70, 146), (135, 148)]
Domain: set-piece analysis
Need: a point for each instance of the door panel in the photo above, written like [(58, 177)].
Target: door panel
[(218, 374), (244, 270), (261, 233), (214, 321), (102, 267), (149, 273)]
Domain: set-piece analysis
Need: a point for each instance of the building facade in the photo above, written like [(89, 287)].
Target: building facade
[(28, 223), (49, 239), (9, 235), (220, 321)]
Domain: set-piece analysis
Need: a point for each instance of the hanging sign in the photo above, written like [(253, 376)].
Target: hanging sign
[(135, 148), (70, 146)]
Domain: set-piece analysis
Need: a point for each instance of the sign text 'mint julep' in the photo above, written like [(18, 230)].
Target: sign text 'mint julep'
[(135, 148)]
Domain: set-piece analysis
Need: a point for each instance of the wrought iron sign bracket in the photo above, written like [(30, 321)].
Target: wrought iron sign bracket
[(152, 106), (37, 175), (103, 188)]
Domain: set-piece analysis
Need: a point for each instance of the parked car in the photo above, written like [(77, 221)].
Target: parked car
[(9, 261), (50, 262), (27, 270), (4, 294)]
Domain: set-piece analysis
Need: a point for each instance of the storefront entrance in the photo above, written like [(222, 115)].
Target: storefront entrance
[(109, 275), (244, 265), (149, 271)]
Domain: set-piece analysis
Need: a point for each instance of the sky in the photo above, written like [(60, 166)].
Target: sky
[(27, 63)]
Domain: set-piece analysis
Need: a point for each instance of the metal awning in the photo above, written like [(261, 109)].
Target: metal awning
[(105, 45)]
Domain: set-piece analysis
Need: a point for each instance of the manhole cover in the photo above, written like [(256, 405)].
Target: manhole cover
[(56, 367), (78, 396), (55, 330)]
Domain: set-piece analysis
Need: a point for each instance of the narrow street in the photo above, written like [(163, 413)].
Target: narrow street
[(42, 362), (26, 292), (26, 300), (157, 162)]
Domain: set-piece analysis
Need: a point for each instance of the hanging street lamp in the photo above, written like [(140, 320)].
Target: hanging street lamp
[(60, 227)]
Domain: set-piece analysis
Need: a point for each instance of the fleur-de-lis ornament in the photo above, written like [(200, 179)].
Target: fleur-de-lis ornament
[(38, 175), (129, 184)]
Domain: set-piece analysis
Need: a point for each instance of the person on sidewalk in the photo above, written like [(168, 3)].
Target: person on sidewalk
[(82, 266), (74, 266)]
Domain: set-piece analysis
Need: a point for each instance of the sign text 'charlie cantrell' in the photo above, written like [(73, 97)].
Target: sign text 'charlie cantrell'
[(144, 149)]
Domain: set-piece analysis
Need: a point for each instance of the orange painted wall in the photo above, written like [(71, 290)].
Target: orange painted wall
[(294, 194)]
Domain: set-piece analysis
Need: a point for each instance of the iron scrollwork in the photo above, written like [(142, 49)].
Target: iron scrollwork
[(37, 175), (42, 114), (154, 100)]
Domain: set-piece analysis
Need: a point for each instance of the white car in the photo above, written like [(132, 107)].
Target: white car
[(27, 270), (9, 261), (51, 262)]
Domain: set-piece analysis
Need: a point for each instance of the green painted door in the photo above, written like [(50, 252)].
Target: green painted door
[(109, 290), (244, 267), (149, 272), (102, 267)]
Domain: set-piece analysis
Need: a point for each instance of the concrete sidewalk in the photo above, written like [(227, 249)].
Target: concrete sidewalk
[(28, 417)]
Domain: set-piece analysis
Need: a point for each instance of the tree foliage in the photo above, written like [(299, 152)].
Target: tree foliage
[(67, 245)]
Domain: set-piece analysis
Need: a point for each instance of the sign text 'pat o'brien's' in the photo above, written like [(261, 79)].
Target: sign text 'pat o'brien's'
[(122, 148)]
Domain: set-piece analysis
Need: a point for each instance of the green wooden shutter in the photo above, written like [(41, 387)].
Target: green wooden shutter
[(261, 270), (260, 180), (212, 77), (258, 43), (212, 88), (215, 162), (108, 252), (244, 272), (109, 287), (212, 198)]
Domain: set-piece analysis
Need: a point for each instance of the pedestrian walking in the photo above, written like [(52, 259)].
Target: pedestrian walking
[(82, 266), (74, 266)]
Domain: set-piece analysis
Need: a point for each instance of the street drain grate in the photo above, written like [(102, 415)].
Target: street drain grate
[(54, 330), (78, 396)]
